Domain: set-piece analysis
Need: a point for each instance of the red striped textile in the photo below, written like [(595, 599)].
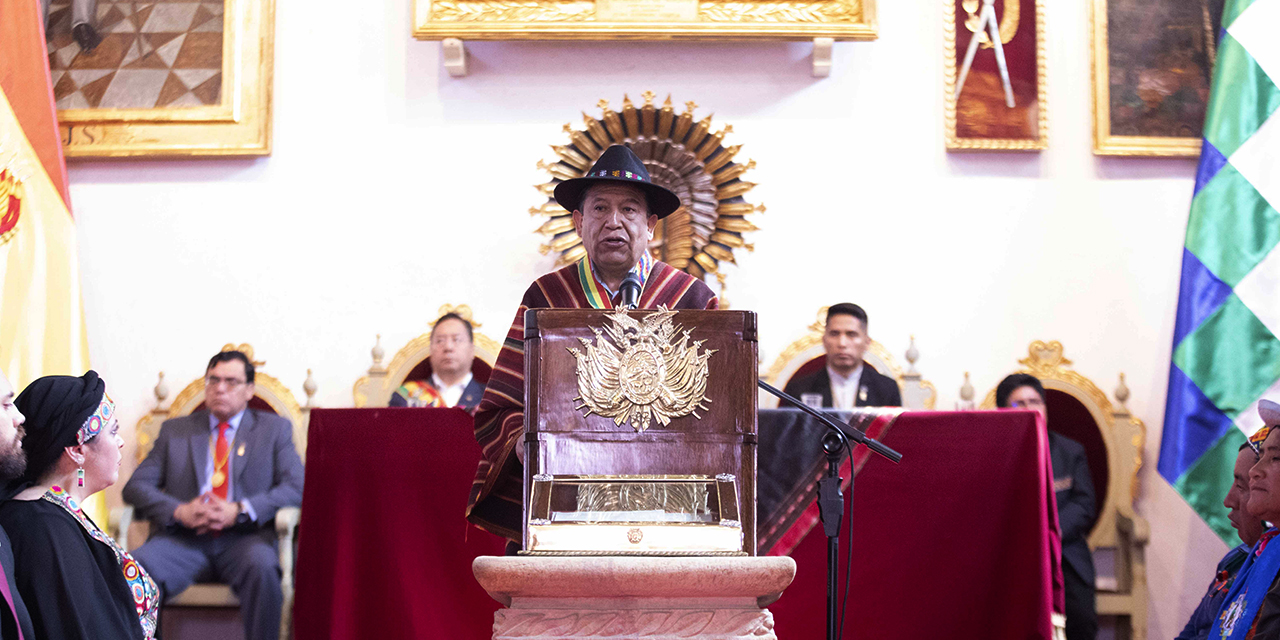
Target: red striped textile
[(497, 494)]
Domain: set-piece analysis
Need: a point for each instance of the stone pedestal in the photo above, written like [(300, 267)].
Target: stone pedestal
[(564, 598)]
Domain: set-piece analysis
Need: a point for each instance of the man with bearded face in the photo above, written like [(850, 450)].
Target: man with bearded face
[(13, 462), (616, 207)]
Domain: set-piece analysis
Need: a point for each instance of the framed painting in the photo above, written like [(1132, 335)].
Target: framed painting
[(1151, 82), (994, 73), (162, 77), (644, 19)]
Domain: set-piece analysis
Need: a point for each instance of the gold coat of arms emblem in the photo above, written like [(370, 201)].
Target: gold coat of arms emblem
[(641, 369)]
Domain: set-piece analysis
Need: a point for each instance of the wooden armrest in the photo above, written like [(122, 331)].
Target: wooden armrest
[(119, 521), (287, 521), (286, 530)]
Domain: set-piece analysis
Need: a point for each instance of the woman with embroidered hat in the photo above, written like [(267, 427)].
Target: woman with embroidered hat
[(76, 581), (1252, 607)]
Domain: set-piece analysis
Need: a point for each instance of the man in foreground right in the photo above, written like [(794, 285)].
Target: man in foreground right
[(1249, 528)]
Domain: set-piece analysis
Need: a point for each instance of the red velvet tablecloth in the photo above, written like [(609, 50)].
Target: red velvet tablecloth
[(383, 548), (955, 541)]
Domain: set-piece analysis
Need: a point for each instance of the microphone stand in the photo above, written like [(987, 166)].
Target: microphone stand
[(830, 498)]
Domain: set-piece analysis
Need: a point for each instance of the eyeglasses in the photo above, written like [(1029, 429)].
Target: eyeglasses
[(229, 383), (443, 340)]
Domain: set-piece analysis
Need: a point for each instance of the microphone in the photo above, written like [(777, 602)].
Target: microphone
[(630, 291)]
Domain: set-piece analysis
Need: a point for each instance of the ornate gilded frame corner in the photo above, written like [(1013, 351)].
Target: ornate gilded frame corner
[(266, 387), (954, 142), (1045, 361), (1104, 142), (583, 20), (809, 347), (374, 389), (240, 126)]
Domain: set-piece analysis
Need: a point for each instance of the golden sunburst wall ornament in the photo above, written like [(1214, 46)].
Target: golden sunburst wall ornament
[(637, 370), (681, 155)]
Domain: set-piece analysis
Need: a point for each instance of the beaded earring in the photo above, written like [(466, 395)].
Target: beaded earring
[(80, 477)]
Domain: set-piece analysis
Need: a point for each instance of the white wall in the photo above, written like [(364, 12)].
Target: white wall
[(394, 188)]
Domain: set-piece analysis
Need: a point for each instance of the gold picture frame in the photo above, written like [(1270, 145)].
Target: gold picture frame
[(1105, 141), (1025, 48), (239, 126), (644, 19)]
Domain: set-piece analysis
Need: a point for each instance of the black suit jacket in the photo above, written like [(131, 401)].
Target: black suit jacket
[(1077, 506), (8, 626), (880, 390)]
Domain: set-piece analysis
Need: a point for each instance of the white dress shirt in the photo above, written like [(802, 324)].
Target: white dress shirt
[(844, 389), (451, 394)]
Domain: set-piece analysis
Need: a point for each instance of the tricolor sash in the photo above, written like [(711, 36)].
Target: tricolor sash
[(1242, 603), (597, 293)]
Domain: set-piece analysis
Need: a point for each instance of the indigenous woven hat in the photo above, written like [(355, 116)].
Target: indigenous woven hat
[(1270, 414), (618, 164)]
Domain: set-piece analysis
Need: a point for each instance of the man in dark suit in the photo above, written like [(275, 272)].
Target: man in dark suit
[(453, 349), (212, 485), (14, 620), (847, 381), (1073, 488)]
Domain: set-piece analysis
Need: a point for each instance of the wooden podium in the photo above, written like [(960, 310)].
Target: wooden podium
[(718, 438)]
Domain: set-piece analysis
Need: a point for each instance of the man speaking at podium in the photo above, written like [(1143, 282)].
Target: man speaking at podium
[(616, 207)]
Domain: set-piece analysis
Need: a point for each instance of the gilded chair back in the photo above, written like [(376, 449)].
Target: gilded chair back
[(411, 362), (1081, 411), (806, 355), (1113, 441)]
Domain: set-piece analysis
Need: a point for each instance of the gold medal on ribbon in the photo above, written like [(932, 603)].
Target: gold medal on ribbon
[(219, 478)]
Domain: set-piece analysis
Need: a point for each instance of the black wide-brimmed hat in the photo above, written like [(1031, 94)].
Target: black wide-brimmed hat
[(618, 164)]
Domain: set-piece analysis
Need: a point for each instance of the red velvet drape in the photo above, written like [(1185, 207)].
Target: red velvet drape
[(383, 549), (955, 541)]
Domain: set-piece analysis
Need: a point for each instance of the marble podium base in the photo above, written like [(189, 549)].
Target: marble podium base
[(566, 598)]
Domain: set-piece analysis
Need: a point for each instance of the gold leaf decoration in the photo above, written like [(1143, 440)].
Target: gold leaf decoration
[(818, 12), (511, 11), (641, 369)]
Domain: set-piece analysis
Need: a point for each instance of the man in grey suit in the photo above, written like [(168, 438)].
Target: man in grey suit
[(212, 485)]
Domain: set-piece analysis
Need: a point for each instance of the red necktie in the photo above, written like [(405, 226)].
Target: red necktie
[(221, 453)]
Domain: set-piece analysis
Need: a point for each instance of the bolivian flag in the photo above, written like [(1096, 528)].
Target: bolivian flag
[(1226, 344), (41, 316)]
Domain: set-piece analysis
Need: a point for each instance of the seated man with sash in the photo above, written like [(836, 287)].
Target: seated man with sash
[(453, 349), (1249, 529), (1251, 608), (616, 207)]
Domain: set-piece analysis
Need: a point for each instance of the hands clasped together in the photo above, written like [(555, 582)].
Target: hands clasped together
[(207, 512)]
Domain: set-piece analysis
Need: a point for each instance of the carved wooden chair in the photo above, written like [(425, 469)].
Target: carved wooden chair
[(269, 395), (375, 388), (807, 355), (1113, 441)]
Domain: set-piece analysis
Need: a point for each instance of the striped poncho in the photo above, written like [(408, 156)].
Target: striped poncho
[(497, 494)]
